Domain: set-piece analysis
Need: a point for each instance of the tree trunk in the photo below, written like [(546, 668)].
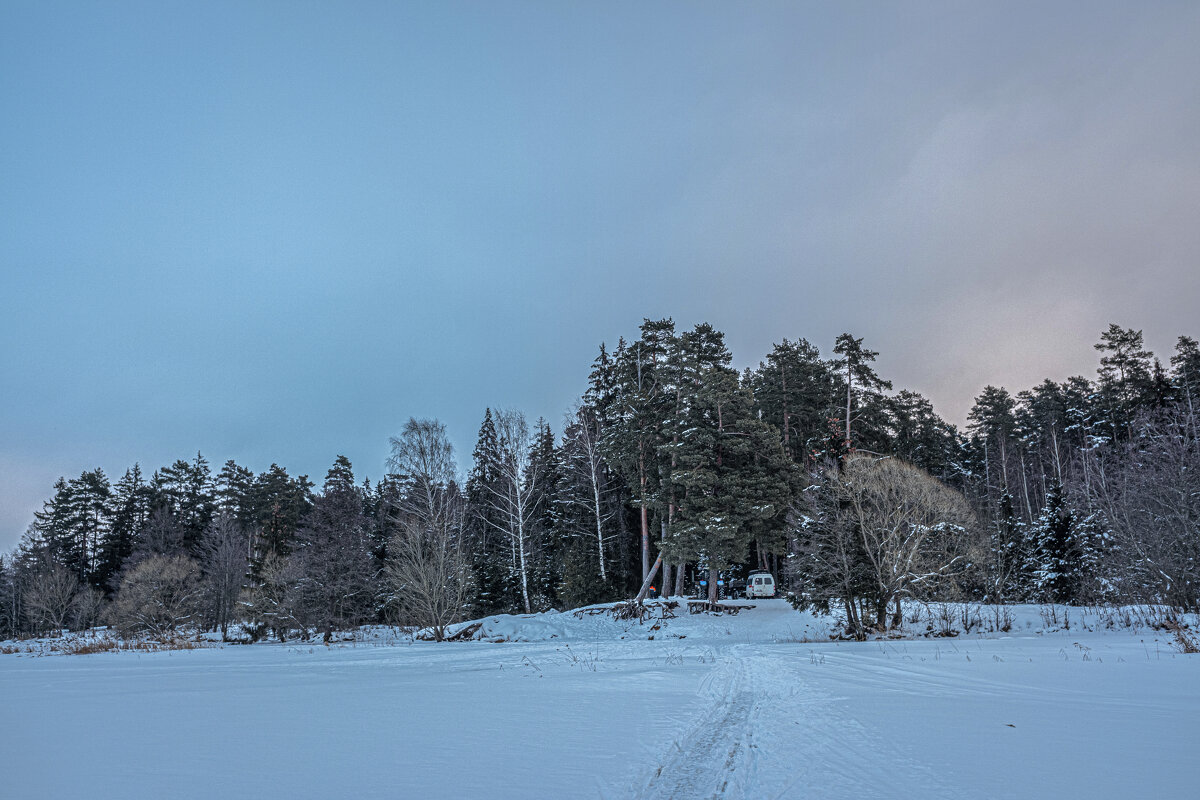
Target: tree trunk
[(853, 626), (666, 567), (712, 585), (680, 571), (641, 595), (849, 389), (524, 571), (645, 520), (599, 526)]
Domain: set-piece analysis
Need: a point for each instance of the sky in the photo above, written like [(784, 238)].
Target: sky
[(273, 232)]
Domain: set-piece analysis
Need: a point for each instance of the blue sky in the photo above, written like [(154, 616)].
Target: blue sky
[(274, 231)]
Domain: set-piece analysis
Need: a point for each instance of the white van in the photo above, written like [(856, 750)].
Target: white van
[(760, 584)]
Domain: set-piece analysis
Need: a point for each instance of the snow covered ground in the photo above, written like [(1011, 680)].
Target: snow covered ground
[(754, 705)]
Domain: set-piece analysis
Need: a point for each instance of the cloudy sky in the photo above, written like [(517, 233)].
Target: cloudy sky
[(274, 231)]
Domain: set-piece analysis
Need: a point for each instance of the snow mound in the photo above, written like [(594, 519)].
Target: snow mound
[(760, 620)]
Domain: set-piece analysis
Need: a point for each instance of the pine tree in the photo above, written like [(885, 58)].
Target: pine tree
[(1125, 377), (642, 400), (862, 391), (186, 490), (795, 391), (90, 496), (277, 504), (919, 436), (730, 473), (232, 491), (1185, 372), (333, 558), (54, 538), (549, 534)]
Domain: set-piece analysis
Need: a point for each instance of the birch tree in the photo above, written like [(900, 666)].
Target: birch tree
[(514, 495), (589, 471)]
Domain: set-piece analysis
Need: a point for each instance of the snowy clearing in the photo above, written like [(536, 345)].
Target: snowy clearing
[(752, 705)]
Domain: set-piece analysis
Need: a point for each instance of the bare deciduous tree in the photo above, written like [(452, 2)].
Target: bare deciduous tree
[(1150, 496), (270, 603), (876, 530), (429, 575), (48, 595), (87, 607), (158, 596), (423, 458), (223, 558), (334, 588), (909, 522)]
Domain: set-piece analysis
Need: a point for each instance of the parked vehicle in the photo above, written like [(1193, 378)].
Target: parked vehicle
[(760, 584)]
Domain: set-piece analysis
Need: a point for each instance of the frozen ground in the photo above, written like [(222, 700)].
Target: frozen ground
[(740, 706)]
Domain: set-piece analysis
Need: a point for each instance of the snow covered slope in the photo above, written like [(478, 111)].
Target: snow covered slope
[(752, 705)]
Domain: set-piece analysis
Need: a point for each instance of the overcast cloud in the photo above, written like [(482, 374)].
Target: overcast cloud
[(273, 232)]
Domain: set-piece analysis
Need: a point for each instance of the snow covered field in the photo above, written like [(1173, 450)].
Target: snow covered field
[(736, 706)]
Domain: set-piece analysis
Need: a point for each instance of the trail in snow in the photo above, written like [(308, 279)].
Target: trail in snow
[(763, 731), (759, 705), (705, 758)]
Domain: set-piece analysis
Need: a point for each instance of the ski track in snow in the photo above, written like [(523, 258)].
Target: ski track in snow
[(706, 758), (808, 747)]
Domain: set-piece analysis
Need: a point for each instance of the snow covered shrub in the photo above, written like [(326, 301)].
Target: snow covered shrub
[(158, 596)]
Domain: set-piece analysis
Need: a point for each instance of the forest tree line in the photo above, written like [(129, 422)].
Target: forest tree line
[(673, 468)]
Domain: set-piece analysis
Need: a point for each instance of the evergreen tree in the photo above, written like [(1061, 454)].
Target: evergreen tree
[(635, 433), (186, 490), (1125, 378), (1058, 564), (333, 557), (863, 394), (1185, 372), (993, 425), (496, 585), (795, 391), (232, 491), (53, 535), (129, 511), (585, 508), (730, 476), (277, 504), (1013, 555), (549, 533), (921, 437)]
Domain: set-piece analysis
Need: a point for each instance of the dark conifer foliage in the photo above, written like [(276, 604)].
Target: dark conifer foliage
[(1081, 490)]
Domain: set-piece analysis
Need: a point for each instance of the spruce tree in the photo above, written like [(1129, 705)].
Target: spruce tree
[(496, 585), (1059, 560), (129, 511)]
